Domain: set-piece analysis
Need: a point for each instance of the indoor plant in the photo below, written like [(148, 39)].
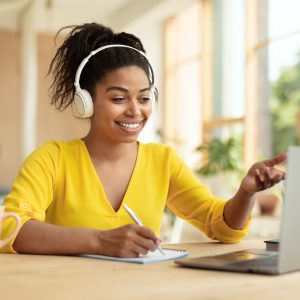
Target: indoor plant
[(222, 165)]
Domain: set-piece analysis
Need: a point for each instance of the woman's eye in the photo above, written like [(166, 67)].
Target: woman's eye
[(118, 99), (145, 99)]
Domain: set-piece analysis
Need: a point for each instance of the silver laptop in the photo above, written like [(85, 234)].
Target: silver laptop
[(287, 258)]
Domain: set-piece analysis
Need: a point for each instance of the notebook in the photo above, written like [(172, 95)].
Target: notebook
[(151, 257), (287, 258)]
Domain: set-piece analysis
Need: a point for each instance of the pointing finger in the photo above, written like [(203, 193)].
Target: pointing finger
[(276, 160)]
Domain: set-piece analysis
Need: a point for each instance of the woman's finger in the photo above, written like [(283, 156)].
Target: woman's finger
[(146, 243), (275, 160), (263, 175), (147, 233), (259, 174), (140, 250), (269, 177)]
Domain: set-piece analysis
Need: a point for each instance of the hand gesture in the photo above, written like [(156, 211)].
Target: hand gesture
[(127, 241), (263, 175)]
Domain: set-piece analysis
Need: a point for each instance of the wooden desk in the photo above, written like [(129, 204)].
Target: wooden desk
[(63, 277)]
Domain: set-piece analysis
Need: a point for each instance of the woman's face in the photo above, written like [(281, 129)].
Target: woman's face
[(122, 105)]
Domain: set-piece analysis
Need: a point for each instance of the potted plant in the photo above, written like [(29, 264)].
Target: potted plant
[(221, 166)]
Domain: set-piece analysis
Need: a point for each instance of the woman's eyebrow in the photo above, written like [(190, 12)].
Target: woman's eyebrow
[(145, 89), (118, 88), (121, 89)]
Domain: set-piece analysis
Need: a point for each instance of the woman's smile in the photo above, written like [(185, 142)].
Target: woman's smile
[(130, 127)]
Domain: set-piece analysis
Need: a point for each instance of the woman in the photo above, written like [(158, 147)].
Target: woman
[(71, 195)]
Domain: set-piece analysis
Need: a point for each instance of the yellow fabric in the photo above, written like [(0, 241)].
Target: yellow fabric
[(59, 185)]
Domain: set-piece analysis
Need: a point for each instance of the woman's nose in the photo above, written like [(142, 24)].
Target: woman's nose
[(133, 108)]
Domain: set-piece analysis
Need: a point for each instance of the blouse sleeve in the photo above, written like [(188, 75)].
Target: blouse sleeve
[(32, 191), (192, 201)]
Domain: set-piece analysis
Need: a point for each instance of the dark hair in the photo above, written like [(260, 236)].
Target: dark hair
[(77, 45)]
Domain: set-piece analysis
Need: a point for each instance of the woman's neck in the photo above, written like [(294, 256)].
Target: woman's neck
[(100, 149)]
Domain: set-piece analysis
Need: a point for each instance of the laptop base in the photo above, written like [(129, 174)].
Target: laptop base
[(246, 261)]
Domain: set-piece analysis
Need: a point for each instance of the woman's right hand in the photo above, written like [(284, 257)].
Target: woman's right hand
[(36, 237), (126, 241)]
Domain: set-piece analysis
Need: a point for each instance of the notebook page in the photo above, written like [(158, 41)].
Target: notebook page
[(151, 257)]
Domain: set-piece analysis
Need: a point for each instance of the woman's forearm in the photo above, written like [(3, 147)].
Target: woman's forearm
[(238, 209), (42, 238)]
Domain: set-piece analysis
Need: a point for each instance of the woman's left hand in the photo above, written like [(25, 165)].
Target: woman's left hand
[(263, 175)]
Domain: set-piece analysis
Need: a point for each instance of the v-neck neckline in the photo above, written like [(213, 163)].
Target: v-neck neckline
[(130, 183)]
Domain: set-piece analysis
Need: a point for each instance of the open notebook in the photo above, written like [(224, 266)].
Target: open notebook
[(151, 257)]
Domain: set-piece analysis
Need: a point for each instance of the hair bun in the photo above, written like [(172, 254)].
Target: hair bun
[(129, 40)]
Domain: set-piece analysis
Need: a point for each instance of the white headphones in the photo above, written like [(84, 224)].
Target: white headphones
[(83, 103)]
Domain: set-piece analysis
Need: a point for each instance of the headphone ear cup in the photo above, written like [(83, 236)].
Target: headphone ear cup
[(83, 106), (154, 94)]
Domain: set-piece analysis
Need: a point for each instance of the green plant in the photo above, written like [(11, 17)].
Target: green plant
[(219, 156), (285, 105)]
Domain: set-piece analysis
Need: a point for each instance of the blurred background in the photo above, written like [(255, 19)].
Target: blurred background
[(228, 75)]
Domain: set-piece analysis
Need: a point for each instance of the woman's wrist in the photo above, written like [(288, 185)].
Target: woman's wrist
[(238, 209), (95, 244), (243, 194)]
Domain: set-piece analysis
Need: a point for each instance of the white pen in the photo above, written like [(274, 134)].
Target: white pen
[(137, 220)]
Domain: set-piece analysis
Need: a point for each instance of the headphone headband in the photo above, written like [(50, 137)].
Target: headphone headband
[(92, 53), (83, 102)]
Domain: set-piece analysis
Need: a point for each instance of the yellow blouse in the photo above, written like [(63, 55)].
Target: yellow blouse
[(58, 184)]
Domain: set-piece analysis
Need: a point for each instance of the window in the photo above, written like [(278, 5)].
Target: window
[(283, 47), (226, 62), (182, 112), (204, 74)]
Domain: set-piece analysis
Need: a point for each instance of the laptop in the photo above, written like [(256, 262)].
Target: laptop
[(287, 258)]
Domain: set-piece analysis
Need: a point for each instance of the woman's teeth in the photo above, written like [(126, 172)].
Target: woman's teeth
[(130, 126)]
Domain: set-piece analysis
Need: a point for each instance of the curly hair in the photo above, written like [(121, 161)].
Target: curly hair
[(78, 44)]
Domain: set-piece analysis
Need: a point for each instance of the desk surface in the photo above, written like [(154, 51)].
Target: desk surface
[(65, 277)]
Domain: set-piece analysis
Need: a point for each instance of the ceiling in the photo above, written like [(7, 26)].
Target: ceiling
[(50, 15)]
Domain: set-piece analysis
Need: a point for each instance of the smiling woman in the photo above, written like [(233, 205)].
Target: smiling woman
[(70, 195)]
